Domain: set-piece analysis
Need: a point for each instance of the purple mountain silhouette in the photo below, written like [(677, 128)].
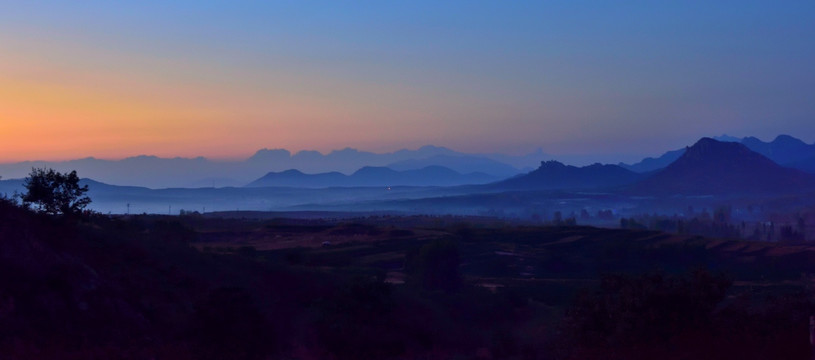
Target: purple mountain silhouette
[(711, 167), (555, 175)]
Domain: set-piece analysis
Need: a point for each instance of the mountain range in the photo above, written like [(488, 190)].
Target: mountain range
[(460, 164), (709, 167), (338, 168), (156, 172), (712, 167), (784, 150), (553, 175), (373, 176)]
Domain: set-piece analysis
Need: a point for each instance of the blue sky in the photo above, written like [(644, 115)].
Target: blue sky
[(572, 77)]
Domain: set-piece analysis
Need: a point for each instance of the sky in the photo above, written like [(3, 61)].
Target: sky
[(223, 79)]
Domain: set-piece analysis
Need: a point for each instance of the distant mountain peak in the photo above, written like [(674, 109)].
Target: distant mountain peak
[(265, 154), (375, 170), (309, 153), (549, 164), (372, 176), (714, 167), (727, 138), (142, 157), (707, 147), (433, 148), (347, 150), (785, 150), (788, 140)]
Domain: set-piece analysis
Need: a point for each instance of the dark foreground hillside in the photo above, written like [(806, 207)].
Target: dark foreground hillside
[(390, 288)]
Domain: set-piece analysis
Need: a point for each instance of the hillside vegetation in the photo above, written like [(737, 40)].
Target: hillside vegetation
[(194, 287)]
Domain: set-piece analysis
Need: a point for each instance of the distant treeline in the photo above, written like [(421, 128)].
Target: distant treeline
[(721, 225)]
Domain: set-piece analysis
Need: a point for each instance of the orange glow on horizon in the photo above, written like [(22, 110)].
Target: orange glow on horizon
[(61, 119), (93, 103)]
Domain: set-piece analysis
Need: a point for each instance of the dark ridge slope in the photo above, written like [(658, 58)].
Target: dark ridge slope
[(555, 175), (711, 167), (650, 164), (784, 149)]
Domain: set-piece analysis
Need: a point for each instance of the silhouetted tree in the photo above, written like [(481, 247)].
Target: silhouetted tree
[(788, 234), (802, 226), (55, 193), (722, 214)]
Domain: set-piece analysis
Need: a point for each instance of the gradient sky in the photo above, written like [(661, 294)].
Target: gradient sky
[(223, 79)]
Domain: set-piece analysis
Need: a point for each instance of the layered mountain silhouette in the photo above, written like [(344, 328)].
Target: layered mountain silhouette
[(712, 167), (157, 172), (458, 163), (373, 176), (784, 150), (650, 164), (709, 167), (555, 175), (296, 178)]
